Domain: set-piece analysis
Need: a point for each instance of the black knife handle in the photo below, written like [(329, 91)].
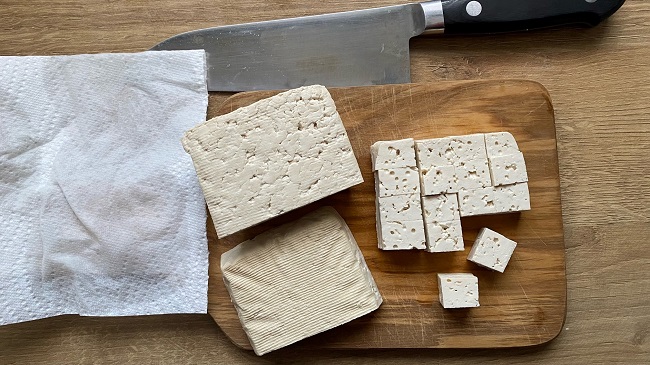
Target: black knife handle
[(496, 16)]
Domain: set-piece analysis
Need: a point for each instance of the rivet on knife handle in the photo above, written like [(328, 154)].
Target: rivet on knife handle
[(494, 16)]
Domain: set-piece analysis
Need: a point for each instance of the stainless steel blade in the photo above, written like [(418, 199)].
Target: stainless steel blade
[(362, 47)]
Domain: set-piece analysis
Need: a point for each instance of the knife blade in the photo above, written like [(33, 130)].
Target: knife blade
[(362, 47)]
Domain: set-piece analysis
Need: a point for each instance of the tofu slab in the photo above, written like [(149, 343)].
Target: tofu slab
[(298, 280), (270, 157)]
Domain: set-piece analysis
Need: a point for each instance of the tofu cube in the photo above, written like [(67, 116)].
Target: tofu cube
[(476, 202), (512, 198), (397, 181), (458, 290), (500, 144), (444, 236), (468, 147), (438, 180), (492, 250), (508, 169), (400, 208), (399, 223), (392, 154), (271, 157), (473, 174), (285, 290)]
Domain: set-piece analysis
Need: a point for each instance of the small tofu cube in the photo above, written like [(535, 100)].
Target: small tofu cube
[(500, 144), (440, 208), (401, 235), (508, 169), (458, 290), (397, 181), (473, 174), (492, 250), (467, 148), (444, 236), (399, 208), (392, 154), (438, 180), (512, 198), (476, 202), (434, 152)]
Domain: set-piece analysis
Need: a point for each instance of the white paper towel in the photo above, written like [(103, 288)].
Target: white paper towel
[(100, 209)]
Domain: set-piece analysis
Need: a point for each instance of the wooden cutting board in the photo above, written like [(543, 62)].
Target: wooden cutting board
[(524, 306)]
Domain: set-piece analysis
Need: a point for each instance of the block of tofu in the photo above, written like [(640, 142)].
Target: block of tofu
[(476, 202), (270, 157), (508, 169), (458, 290), (512, 198), (444, 236), (438, 180), (500, 144), (392, 154), (467, 148), (440, 208), (434, 152), (492, 250), (397, 181), (473, 174), (298, 280), (399, 223)]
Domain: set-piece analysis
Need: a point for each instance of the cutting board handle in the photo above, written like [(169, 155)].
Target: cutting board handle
[(495, 16)]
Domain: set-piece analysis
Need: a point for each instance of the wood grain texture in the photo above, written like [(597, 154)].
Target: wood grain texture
[(597, 79), (525, 306)]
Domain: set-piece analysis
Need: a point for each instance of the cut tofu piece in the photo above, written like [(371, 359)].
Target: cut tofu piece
[(508, 169), (512, 198), (434, 152), (458, 290), (298, 280), (492, 250), (500, 144), (444, 236), (270, 157), (477, 202), (397, 181), (438, 180), (473, 174), (399, 223), (392, 154), (440, 208), (467, 148)]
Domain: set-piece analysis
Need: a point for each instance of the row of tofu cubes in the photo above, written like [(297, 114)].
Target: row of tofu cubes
[(414, 210), (460, 290)]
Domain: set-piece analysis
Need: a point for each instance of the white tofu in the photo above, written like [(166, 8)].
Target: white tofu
[(298, 280), (438, 180), (270, 157), (508, 169), (476, 202), (492, 250), (440, 208), (399, 208), (392, 154), (512, 198), (458, 290), (473, 174), (397, 181), (444, 236), (434, 152), (500, 144), (467, 148), (399, 223), (406, 235)]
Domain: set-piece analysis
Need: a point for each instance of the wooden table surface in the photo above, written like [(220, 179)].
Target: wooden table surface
[(599, 81)]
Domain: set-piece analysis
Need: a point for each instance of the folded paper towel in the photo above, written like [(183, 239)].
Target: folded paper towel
[(101, 213)]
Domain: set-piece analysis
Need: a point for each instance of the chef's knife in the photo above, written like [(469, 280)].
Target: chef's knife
[(362, 47)]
